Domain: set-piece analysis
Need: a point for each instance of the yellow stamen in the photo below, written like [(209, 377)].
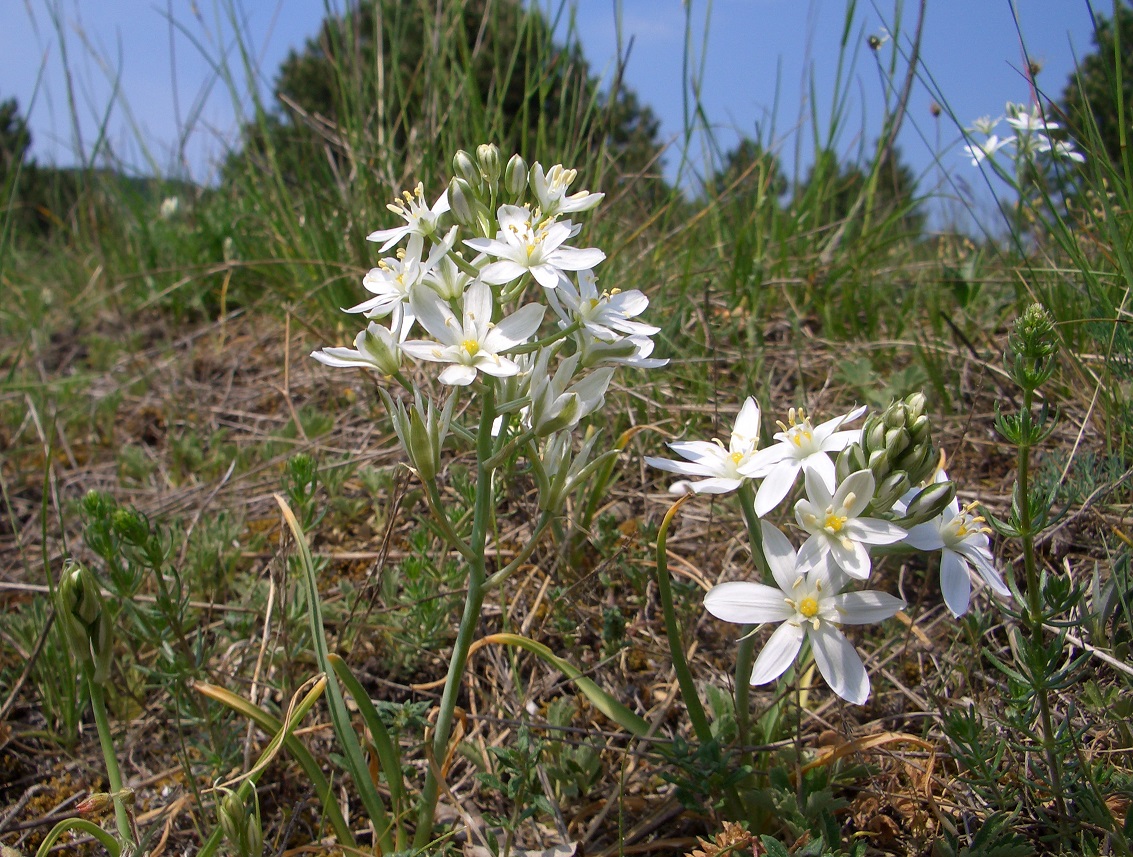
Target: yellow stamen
[(834, 523)]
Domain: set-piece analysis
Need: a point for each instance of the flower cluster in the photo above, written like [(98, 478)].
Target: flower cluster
[(880, 485), (490, 289), (1030, 138)]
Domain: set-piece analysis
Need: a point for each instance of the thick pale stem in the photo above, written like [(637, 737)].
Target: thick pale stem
[(473, 604)]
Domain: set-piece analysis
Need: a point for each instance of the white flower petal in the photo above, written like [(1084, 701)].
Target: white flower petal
[(840, 664), (747, 603), (866, 607), (779, 653), (780, 556), (954, 583)]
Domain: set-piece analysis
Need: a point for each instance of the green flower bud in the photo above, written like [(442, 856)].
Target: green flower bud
[(97, 505), (895, 415), (460, 198), (515, 176), (1031, 347), (897, 440), (131, 526), (915, 404), (928, 503), (889, 490), (488, 155), (849, 460), (82, 617), (465, 168), (241, 828)]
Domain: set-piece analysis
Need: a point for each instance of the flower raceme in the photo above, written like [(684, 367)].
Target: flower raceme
[(808, 603)]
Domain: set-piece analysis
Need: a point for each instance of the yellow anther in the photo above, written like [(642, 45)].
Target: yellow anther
[(834, 523), (808, 607)]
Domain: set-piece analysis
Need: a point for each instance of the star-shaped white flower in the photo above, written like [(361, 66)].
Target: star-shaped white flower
[(808, 602), (607, 316), (474, 344), (801, 446), (421, 220), (987, 149), (834, 525), (710, 459), (523, 246), (551, 191), (962, 539), (394, 280)]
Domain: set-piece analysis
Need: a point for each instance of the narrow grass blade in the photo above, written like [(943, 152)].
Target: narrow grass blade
[(601, 700), (352, 753), (387, 750), (293, 745)]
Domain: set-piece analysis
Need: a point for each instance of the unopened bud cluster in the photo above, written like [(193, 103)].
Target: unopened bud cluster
[(896, 446), (242, 828)]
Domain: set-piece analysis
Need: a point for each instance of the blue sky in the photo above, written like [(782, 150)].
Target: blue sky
[(758, 61)]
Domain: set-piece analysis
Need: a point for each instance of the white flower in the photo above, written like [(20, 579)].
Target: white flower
[(1065, 149), (801, 446), (809, 603), (394, 280), (979, 151), (606, 316), (374, 348), (550, 189), (536, 248), (710, 459), (984, 125), (963, 542), (1028, 121), (835, 527), (420, 219), (476, 344), (169, 207)]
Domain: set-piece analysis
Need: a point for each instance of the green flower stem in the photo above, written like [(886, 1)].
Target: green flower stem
[(113, 772), (558, 336), (696, 713), (473, 605), (1033, 615), (497, 579), (745, 657)]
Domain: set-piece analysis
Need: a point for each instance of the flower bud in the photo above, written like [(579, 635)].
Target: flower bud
[(241, 828), (489, 157), (895, 415), (460, 202), (82, 617), (515, 176), (889, 490), (928, 503), (131, 526), (465, 168)]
